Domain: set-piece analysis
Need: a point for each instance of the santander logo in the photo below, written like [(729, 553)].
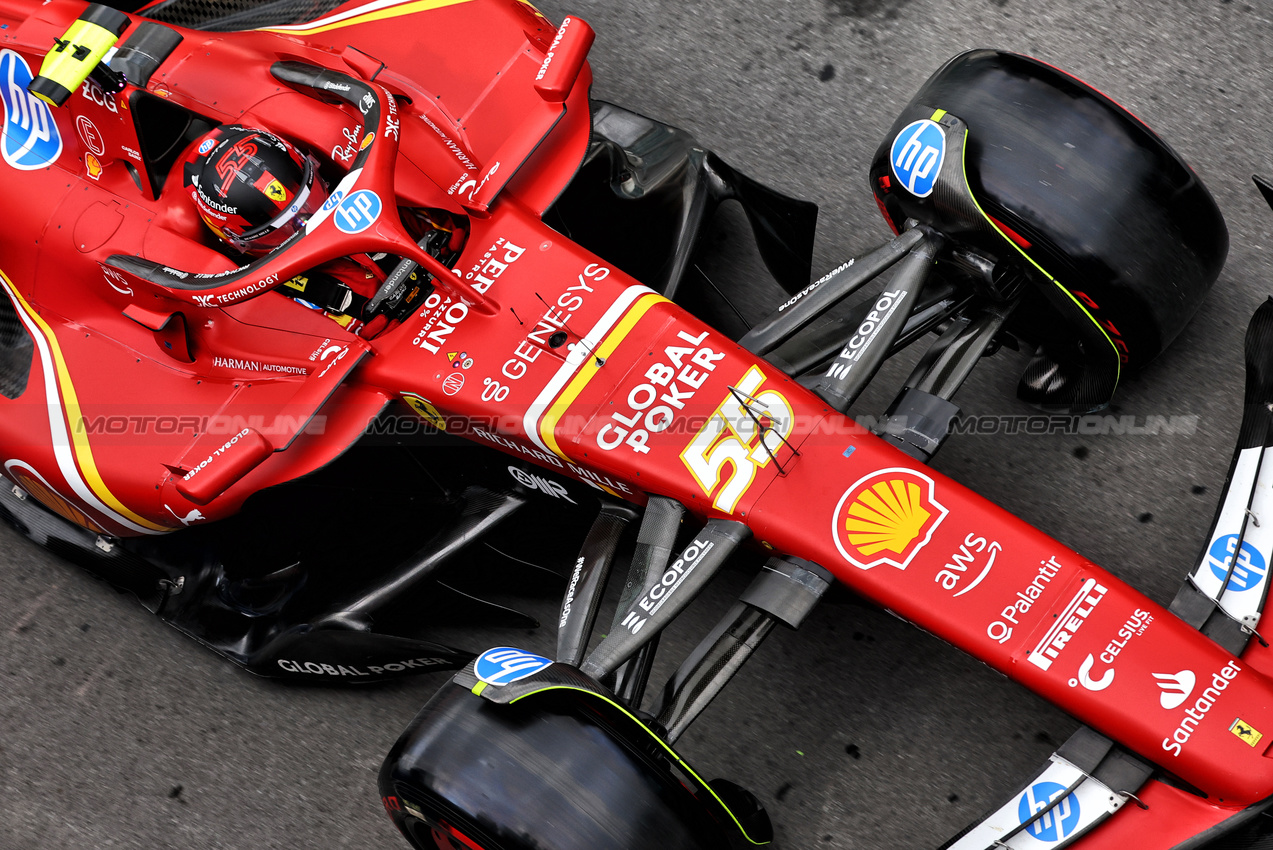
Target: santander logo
[(1176, 688)]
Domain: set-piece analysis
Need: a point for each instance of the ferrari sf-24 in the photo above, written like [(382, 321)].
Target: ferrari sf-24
[(224, 287)]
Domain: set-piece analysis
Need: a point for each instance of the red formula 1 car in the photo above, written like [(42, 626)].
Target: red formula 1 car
[(189, 385)]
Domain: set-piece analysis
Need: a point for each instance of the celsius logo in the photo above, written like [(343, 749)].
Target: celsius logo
[(30, 138), (1176, 687), (1249, 570), (358, 212), (917, 156), (503, 664), (1055, 823), (1085, 676), (886, 518)]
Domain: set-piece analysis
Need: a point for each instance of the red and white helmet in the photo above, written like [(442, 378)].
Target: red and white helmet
[(252, 188)]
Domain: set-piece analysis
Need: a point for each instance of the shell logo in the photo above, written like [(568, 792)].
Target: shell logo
[(886, 518)]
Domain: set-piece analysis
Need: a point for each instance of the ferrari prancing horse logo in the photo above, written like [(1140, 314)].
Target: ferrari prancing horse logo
[(886, 518)]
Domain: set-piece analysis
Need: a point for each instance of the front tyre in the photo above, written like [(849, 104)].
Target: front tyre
[(553, 774)]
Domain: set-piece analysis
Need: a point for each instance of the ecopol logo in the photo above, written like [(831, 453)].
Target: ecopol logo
[(504, 664), (917, 155), (30, 139)]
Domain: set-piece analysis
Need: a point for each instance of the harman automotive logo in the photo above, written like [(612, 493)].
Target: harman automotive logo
[(917, 156), (1249, 570), (886, 518), (1055, 823), (30, 138), (504, 664), (1176, 687)]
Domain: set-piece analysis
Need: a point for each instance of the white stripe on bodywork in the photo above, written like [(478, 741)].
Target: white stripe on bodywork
[(61, 438), (375, 6), (579, 353)]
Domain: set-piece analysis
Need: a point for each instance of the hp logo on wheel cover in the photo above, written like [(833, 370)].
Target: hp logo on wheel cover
[(504, 664), (917, 155), (1056, 823)]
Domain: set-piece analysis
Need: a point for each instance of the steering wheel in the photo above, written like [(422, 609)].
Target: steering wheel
[(360, 215)]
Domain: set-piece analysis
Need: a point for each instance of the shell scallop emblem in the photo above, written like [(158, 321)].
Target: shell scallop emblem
[(886, 518)]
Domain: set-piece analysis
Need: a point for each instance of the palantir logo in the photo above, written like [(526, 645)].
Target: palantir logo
[(1055, 824), (917, 155), (30, 138), (504, 664), (1176, 687), (1247, 572)]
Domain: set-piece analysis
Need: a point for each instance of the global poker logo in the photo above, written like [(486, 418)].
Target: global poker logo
[(1055, 823), (886, 518)]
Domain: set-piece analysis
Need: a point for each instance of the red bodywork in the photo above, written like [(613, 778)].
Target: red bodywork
[(149, 408)]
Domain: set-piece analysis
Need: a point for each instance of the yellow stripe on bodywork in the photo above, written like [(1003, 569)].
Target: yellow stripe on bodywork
[(964, 165), (590, 367), (354, 17), (74, 417)]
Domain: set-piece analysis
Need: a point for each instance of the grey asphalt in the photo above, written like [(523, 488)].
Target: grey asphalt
[(856, 732)]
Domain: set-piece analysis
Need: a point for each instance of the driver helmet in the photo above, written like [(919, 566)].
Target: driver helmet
[(252, 188)]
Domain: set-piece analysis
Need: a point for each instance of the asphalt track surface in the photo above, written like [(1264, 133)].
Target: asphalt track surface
[(859, 731)]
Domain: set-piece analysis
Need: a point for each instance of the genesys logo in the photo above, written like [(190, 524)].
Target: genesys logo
[(503, 665), (30, 137), (886, 518), (1175, 687)]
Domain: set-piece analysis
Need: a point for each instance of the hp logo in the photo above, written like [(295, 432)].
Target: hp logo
[(503, 664), (30, 138), (1249, 570), (917, 156), (1056, 823), (358, 212)]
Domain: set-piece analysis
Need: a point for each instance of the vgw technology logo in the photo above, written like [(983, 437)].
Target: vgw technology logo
[(1055, 824), (917, 155), (502, 665), (31, 139), (1249, 570)]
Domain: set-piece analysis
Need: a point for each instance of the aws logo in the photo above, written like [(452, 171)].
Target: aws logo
[(886, 518)]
